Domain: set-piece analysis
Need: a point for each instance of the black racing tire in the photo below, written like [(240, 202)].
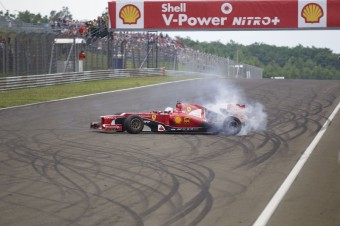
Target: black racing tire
[(133, 124), (231, 126)]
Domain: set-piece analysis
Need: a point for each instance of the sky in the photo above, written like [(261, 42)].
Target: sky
[(91, 9)]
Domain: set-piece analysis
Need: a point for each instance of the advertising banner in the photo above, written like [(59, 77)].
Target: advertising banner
[(224, 15)]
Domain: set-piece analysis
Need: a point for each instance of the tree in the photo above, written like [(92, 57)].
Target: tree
[(297, 62), (32, 18), (62, 14), (28, 17)]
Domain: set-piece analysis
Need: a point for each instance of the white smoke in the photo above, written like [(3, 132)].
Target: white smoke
[(224, 92), (256, 118)]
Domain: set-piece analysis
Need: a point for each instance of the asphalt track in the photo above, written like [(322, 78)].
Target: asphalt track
[(55, 171)]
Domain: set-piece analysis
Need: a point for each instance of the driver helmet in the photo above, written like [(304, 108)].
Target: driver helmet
[(179, 105), (169, 110)]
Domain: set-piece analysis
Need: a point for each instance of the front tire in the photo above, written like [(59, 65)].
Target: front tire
[(232, 126), (133, 124)]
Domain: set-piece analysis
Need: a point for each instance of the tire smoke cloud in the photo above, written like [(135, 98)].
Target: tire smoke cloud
[(220, 92)]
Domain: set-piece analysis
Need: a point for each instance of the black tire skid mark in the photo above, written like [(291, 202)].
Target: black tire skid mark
[(202, 182), (133, 155), (272, 140), (129, 181), (159, 168), (247, 147), (169, 168), (303, 120), (193, 141), (150, 210), (231, 142), (23, 154), (29, 156), (74, 187), (301, 123), (298, 126)]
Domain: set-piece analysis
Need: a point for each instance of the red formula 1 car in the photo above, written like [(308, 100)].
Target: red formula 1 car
[(183, 118)]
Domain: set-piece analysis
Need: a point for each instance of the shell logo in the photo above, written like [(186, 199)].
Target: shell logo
[(129, 14), (312, 13), (178, 120)]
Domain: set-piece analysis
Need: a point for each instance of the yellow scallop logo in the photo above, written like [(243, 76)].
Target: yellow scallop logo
[(129, 14), (312, 13), (178, 120)]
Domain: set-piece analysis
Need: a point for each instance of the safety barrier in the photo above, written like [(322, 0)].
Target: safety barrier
[(31, 81)]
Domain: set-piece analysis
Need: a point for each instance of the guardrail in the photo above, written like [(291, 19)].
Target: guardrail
[(190, 73), (31, 81)]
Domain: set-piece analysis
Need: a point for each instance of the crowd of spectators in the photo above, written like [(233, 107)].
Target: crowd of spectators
[(134, 41), (70, 28), (98, 28), (194, 60)]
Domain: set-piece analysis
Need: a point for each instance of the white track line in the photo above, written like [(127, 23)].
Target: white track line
[(268, 211), (94, 94)]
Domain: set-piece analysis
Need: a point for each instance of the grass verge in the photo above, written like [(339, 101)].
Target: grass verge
[(35, 95)]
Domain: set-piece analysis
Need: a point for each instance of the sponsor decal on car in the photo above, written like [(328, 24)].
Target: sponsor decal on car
[(154, 117), (161, 128), (178, 120)]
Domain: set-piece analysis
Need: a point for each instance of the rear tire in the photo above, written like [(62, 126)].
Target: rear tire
[(133, 124), (232, 126)]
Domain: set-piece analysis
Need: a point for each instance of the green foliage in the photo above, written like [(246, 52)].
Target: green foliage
[(294, 63), (32, 18), (64, 13)]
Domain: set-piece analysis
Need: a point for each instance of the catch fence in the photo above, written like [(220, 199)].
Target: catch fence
[(36, 53)]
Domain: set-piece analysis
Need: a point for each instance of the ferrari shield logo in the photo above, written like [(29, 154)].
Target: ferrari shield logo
[(153, 117), (188, 109)]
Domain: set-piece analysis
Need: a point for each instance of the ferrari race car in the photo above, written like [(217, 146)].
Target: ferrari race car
[(184, 117)]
